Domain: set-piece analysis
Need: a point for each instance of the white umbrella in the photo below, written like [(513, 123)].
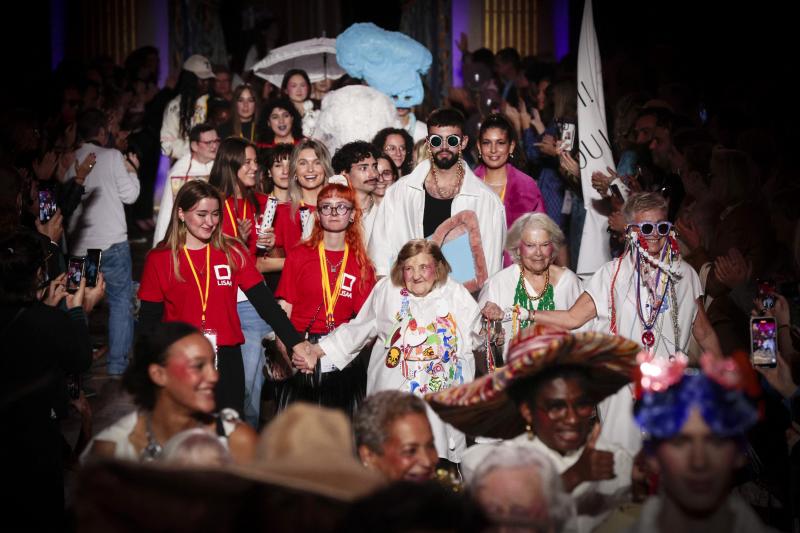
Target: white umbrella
[(316, 56)]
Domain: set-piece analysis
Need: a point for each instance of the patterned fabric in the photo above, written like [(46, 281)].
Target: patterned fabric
[(483, 407)]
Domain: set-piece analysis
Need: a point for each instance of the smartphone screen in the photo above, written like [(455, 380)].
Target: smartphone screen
[(47, 204), (92, 266), (763, 341), (75, 273), (567, 136)]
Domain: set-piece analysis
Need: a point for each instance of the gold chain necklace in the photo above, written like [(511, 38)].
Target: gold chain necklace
[(525, 288), (457, 187)]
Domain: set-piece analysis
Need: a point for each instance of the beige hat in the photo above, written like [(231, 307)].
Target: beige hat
[(311, 448), (200, 66)]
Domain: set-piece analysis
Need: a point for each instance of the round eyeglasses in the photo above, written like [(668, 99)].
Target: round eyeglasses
[(437, 140), (339, 209)]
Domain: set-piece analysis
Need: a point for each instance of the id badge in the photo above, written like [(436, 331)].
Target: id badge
[(211, 336)]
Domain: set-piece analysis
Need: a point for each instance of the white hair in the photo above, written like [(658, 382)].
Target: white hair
[(195, 447), (533, 221), (560, 506)]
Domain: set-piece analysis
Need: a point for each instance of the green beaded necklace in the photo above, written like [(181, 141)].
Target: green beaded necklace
[(543, 302)]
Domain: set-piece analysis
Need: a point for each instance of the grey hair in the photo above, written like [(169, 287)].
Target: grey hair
[(378, 411), (195, 447), (560, 505), (643, 201), (533, 221)]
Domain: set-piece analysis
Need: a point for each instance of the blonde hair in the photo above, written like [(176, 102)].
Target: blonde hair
[(188, 197), (533, 221), (413, 248), (295, 193)]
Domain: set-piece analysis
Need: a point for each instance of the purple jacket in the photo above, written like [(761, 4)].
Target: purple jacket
[(522, 193)]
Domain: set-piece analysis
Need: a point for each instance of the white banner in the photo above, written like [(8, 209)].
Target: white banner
[(595, 148)]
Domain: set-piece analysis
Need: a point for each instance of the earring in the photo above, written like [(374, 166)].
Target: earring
[(529, 431), (512, 155)]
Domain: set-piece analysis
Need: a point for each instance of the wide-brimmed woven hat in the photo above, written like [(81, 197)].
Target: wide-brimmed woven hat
[(311, 448), (483, 407)]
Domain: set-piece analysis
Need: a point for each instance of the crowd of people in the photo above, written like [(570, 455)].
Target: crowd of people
[(419, 288)]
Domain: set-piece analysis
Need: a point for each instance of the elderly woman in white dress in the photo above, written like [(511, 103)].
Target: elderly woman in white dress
[(533, 283), (424, 325)]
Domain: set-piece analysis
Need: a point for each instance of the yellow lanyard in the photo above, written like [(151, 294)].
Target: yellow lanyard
[(203, 297), (233, 220), (330, 299)]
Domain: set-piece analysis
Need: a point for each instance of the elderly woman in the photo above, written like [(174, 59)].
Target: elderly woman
[(648, 294), (424, 324), (519, 486), (394, 437), (533, 282), (172, 379)]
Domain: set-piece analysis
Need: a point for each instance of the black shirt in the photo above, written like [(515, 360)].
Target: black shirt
[(436, 212)]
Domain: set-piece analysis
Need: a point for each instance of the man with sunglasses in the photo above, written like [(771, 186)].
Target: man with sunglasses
[(649, 295), (436, 190)]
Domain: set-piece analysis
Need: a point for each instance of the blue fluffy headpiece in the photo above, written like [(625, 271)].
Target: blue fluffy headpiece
[(389, 61)]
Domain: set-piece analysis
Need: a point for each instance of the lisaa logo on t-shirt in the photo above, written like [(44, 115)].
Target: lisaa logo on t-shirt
[(223, 275), (347, 285)]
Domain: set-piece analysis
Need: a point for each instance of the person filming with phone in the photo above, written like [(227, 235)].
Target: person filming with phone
[(109, 184)]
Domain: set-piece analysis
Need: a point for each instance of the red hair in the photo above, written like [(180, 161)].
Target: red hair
[(354, 237)]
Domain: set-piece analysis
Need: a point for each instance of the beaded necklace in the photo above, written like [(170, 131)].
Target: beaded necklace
[(522, 299)]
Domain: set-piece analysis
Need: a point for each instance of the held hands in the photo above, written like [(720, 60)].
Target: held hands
[(305, 356)]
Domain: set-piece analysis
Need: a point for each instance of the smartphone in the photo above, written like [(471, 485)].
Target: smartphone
[(566, 136), (47, 204), (92, 266), (763, 341), (766, 293), (75, 271)]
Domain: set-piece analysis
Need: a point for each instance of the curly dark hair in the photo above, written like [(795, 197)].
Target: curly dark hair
[(189, 91), (352, 153), (380, 139), (152, 347)]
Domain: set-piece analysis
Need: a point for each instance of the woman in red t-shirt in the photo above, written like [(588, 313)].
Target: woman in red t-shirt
[(325, 281), (235, 174), (177, 285)]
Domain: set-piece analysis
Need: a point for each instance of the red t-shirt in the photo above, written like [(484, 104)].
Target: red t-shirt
[(182, 298), (288, 229), (239, 208), (300, 286)]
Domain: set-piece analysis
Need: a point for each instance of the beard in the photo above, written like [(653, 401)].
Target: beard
[(445, 163)]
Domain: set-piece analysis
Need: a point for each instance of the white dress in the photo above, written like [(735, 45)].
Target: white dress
[(500, 289), (427, 349)]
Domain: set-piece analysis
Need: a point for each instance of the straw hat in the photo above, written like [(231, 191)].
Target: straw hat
[(483, 408), (311, 448)]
